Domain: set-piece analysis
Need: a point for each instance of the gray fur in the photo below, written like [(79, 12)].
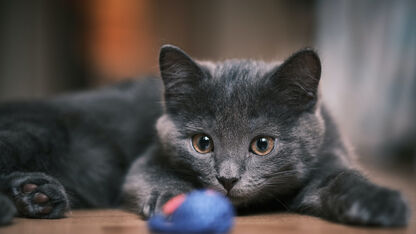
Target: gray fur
[(75, 148), (234, 101)]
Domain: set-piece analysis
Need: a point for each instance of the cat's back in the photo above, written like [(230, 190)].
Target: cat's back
[(113, 123), (122, 114), (145, 92), (86, 139)]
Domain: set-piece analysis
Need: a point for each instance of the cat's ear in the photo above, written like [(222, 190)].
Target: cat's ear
[(296, 80), (181, 76), (178, 70)]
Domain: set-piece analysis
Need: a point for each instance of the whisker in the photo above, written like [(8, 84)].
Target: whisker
[(283, 204), (274, 197), (288, 171)]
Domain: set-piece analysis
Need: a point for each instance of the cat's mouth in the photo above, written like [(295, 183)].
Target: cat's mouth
[(236, 199), (235, 194), (231, 194)]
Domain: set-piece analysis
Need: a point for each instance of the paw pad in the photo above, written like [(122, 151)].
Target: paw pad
[(40, 198), (46, 210), (37, 195), (28, 188)]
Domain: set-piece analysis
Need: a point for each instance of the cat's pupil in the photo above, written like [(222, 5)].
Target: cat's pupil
[(204, 143), (262, 144)]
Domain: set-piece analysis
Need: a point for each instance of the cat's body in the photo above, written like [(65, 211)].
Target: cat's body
[(256, 132), (85, 141)]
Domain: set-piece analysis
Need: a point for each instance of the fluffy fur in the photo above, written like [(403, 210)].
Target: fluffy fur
[(77, 149), (233, 102)]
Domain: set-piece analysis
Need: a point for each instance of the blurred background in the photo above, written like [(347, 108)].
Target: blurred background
[(368, 51)]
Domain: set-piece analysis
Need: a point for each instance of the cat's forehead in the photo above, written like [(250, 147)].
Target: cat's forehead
[(238, 69), (236, 83), (235, 93)]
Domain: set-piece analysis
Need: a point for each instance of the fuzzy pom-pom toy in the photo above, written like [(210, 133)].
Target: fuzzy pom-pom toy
[(201, 211)]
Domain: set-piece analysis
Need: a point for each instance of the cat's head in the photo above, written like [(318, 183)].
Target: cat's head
[(246, 128)]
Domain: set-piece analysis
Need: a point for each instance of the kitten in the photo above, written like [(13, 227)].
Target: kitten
[(256, 132), (259, 134)]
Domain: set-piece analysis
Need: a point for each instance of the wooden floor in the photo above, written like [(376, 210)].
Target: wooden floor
[(120, 222)]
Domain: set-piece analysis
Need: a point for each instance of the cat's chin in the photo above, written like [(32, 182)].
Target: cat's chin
[(239, 200), (235, 197)]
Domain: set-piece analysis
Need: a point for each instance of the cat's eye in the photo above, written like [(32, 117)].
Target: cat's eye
[(262, 145), (202, 143)]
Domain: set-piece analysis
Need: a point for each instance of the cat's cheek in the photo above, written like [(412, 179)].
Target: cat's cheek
[(205, 170), (301, 170)]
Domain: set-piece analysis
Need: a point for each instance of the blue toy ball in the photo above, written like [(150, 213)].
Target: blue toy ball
[(201, 211)]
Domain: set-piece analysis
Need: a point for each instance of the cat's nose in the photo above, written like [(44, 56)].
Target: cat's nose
[(228, 183)]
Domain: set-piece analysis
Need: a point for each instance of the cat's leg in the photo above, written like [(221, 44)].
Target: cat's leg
[(37, 195), (32, 144), (146, 196), (348, 197), (148, 187)]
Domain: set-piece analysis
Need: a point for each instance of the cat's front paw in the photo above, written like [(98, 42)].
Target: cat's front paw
[(378, 207), (154, 202), (37, 195)]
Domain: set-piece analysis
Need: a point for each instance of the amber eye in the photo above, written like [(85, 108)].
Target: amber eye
[(262, 145), (202, 143)]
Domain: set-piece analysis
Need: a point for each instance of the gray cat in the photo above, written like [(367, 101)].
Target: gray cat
[(258, 133)]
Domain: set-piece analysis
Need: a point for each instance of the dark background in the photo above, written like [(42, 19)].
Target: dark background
[(368, 51)]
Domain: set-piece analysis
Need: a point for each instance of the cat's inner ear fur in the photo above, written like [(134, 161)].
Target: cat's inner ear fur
[(296, 80), (177, 69)]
